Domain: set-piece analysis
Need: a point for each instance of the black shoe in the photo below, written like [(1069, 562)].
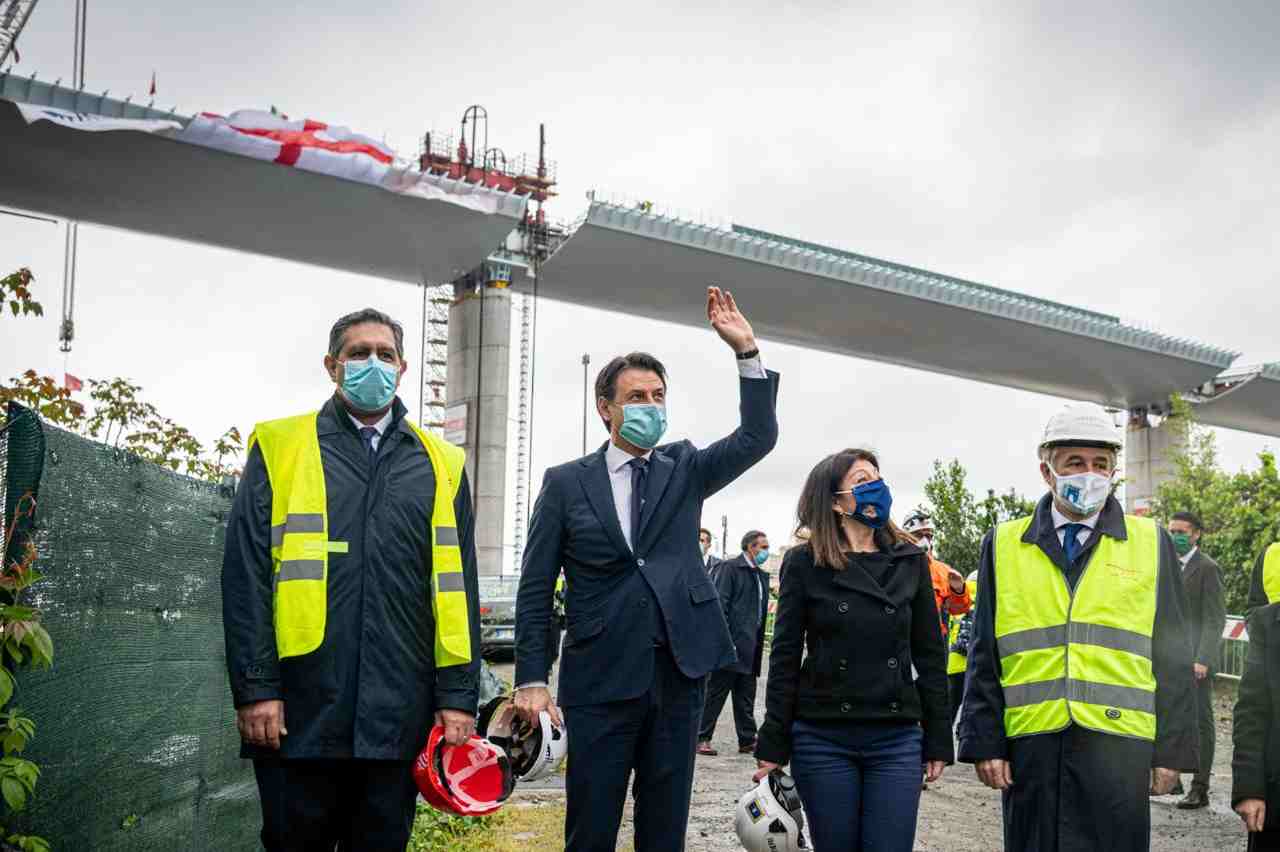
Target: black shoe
[(1196, 799)]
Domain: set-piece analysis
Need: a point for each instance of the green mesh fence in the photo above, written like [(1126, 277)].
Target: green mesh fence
[(135, 729)]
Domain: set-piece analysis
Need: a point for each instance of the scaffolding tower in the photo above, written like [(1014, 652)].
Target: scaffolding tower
[(523, 415), (436, 299)]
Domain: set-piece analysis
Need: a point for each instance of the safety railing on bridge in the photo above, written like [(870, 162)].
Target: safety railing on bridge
[(1235, 647)]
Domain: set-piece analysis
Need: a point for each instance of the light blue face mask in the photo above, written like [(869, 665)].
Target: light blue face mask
[(370, 384), (643, 424), (762, 556)]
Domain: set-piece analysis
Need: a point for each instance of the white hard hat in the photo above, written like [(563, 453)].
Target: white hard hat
[(769, 816), (1082, 425), (917, 522), (534, 751)]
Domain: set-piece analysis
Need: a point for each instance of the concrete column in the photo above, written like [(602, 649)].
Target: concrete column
[(1146, 459), (478, 374)]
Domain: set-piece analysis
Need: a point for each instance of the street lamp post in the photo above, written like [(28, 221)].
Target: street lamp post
[(586, 400)]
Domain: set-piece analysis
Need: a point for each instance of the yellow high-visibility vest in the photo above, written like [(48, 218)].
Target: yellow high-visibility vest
[(1081, 657), (300, 544), (956, 662), (1271, 573)]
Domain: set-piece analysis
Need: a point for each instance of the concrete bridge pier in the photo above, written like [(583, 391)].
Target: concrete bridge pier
[(1147, 458), (479, 365)]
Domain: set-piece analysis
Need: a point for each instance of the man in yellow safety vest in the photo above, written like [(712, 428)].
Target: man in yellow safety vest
[(1079, 677), (1264, 587), (350, 605)]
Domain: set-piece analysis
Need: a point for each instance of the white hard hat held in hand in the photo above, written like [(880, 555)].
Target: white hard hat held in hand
[(770, 817)]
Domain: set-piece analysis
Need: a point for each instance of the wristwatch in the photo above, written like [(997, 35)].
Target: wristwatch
[(748, 355)]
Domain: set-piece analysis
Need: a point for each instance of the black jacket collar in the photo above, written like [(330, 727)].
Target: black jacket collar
[(1110, 522), (335, 417), (859, 581)]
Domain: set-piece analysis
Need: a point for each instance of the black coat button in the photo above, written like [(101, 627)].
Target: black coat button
[(846, 707), (893, 662), (889, 609), (844, 606), (644, 602), (844, 665), (895, 707)]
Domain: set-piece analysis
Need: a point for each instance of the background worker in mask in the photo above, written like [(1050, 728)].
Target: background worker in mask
[(709, 559), (644, 625), (349, 603), (1079, 679), (743, 585), (1206, 616)]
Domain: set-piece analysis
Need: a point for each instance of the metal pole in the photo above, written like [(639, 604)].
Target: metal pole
[(422, 381), (67, 329), (586, 401), (724, 536)]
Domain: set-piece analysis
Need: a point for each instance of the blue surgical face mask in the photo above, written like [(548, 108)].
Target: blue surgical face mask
[(643, 424), (872, 502), (762, 556), (369, 385)]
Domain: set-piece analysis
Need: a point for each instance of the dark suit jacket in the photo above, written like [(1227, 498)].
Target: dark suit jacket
[(613, 590), (1255, 764), (710, 561), (739, 584), (1206, 608)]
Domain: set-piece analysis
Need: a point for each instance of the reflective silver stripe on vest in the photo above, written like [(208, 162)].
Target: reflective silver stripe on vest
[(1106, 695), (447, 537), (1115, 638), (300, 569), (1035, 639), (1042, 638), (296, 523), (1023, 694), (450, 582)]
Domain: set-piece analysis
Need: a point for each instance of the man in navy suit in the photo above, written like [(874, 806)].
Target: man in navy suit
[(644, 624)]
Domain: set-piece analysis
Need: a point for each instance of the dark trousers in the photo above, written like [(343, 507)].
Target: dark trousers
[(1207, 729), (955, 690), (317, 805), (1266, 841), (1078, 791), (653, 735), (860, 783), (743, 687)]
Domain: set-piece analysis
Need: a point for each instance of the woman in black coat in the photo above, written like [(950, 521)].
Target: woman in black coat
[(857, 693), (1255, 764)]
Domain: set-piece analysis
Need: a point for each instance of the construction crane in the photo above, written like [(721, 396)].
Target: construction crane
[(13, 17)]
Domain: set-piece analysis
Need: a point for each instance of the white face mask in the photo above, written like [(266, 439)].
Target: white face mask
[(1083, 493), (706, 546), (926, 543)]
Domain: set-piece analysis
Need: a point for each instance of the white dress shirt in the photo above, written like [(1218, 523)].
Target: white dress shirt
[(380, 426), (1190, 553), (1060, 522)]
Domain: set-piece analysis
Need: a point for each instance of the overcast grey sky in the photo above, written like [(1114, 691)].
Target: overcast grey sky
[(1121, 158)]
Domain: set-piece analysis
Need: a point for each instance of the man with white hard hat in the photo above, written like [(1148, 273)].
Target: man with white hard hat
[(1078, 680)]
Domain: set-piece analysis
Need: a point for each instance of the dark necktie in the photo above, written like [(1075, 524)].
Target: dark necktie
[(368, 433), (1071, 542), (639, 475)]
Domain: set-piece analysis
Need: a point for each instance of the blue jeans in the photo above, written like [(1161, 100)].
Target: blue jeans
[(860, 783)]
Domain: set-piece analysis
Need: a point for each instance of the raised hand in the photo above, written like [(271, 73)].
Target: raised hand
[(728, 321)]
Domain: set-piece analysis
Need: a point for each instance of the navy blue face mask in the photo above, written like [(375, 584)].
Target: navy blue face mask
[(872, 502)]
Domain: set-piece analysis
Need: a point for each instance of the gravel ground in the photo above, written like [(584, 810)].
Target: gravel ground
[(957, 814)]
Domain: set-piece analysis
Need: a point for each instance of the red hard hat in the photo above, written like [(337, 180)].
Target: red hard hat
[(472, 779)]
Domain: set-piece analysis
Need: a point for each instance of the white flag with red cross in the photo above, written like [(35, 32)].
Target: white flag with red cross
[(310, 145)]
